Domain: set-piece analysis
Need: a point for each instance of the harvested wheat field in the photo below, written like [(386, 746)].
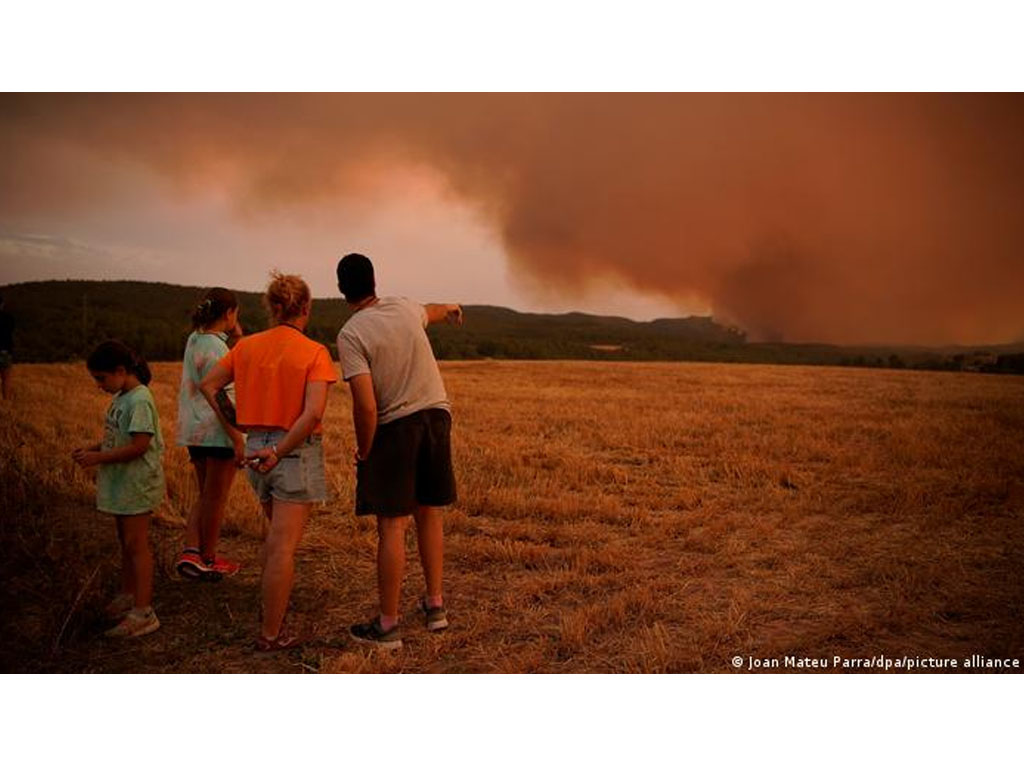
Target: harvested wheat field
[(612, 518)]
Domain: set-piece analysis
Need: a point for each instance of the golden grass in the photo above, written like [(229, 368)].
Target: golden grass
[(613, 517)]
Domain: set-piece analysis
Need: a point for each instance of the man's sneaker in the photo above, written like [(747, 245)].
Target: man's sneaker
[(136, 624), (436, 619), (192, 566), (119, 606), (224, 567), (372, 634)]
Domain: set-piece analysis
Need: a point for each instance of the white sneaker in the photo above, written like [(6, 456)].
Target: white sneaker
[(119, 607), (137, 623)]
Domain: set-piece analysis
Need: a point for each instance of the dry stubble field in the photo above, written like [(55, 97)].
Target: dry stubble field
[(612, 518)]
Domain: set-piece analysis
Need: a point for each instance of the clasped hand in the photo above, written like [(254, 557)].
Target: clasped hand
[(262, 460)]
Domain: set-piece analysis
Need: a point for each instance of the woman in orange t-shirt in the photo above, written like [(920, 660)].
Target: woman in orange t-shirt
[(281, 378)]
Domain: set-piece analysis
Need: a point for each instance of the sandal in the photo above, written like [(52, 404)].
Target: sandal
[(282, 642)]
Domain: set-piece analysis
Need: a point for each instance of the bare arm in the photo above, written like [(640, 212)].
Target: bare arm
[(134, 449), (312, 411), (364, 413), (78, 454), (450, 313), (214, 381)]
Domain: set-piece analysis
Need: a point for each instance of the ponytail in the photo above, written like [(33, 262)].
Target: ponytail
[(108, 355), (141, 369), (216, 303)]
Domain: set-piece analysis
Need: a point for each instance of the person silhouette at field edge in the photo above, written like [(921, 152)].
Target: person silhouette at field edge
[(6, 349), (402, 419)]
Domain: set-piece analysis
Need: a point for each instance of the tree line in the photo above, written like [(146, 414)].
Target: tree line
[(62, 320)]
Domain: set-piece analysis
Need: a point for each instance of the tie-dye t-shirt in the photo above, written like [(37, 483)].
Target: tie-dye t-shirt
[(197, 423), (136, 486)]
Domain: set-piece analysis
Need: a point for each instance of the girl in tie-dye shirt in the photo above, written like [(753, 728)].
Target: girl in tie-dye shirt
[(214, 445)]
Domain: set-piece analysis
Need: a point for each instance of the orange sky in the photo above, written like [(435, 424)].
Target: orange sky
[(845, 218)]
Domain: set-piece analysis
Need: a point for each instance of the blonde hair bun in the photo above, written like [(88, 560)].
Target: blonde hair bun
[(286, 296)]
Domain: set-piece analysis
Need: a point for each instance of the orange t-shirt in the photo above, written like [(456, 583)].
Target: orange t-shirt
[(271, 370)]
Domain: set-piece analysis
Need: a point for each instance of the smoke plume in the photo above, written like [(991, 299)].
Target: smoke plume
[(843, 218)]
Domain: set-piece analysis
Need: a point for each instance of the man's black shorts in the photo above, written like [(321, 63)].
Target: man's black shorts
[(410, 465)]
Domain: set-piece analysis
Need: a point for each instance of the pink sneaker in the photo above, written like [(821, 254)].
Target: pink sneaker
[(191, 566), (224, 567)]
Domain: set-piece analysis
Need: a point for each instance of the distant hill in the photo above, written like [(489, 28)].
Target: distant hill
[(63, 320)]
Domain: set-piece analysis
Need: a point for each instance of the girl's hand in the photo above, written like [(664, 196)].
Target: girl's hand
[(86, 458), (454, 314)]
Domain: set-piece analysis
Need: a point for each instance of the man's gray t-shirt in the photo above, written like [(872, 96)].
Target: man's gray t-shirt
[(387, 340)]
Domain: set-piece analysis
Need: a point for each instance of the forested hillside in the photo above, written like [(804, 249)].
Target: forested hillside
[(62, 320)]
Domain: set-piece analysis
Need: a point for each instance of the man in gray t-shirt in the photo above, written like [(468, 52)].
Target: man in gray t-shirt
[(389, 331), (402, 420)]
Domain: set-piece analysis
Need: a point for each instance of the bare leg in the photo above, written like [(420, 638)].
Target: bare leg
[(127, 571), (192, 524), (268, 512), (430, 542), (286, 525), (135, 529), (219, 474), (390, 561)]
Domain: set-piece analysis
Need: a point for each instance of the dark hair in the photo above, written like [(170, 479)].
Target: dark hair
[(216, 303), (355, 277), (108, 355)]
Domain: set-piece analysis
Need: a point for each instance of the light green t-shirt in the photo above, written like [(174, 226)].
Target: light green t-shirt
[(136, 486), (197, 423)]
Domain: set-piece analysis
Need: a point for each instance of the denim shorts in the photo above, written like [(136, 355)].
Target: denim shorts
[(297, 477)]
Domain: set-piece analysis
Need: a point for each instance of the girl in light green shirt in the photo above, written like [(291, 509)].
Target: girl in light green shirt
[(129, 478)]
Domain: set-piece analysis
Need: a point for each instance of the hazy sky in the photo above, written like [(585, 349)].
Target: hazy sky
[(845, 218)]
